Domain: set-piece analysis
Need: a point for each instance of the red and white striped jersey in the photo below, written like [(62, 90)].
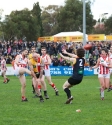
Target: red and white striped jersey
[(3, 65), (104, 69), (110, 56), (45, 57), (22, 62)]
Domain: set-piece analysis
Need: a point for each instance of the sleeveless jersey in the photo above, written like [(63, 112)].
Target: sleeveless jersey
[(36, 65), (45, 57), (22, 62), (30, 56), (78, 69), (103, 69), (110, 56), (3, 64), (39, 61)]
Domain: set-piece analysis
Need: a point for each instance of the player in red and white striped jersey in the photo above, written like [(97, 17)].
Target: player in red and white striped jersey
[(47, 62), (110, 56), (104, 71), (20, 68), (4, 69)]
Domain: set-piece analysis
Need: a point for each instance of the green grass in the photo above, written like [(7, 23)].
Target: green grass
[(54, 111), (8, 65)]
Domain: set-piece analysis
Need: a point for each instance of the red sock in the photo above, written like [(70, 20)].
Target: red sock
[(39, 86), (53, 85), (5, 80), (23, 97)]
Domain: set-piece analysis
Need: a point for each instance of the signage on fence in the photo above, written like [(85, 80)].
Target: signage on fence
[(10, 71), (76, 38), (41, 39), (67, 71), (96, 71), (109, 37), (62, 38), (96, 37), (58, 71)]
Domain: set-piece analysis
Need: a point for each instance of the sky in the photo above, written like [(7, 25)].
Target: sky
[(98, 7)]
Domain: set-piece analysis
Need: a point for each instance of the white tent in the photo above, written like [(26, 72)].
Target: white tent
[(75, 33), (70, 34)]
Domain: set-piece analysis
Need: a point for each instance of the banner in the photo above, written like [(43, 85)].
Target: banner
[(96, 37), (96, 71), (68, 71), (76, 38), (41, 39), (109, 37), (59, 71), (10, 71), (63, 38)]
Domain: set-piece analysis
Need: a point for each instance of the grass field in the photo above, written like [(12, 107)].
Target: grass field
[(54, 111)]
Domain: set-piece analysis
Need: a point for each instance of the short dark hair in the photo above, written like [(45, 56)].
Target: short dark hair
[(104, 49), (80, 52), (23, 50), (43, 48)]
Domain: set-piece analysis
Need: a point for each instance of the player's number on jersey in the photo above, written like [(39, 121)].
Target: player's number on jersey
[(80, 62)]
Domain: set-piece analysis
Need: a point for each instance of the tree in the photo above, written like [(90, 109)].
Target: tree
[(36, 13), (19, 24), (70, 18), (49, 19), (108, 25), (1, 32), (24, 23)]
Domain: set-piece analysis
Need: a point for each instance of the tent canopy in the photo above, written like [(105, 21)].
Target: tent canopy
[(75, 33)]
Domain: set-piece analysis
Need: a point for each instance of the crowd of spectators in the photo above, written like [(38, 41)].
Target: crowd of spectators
[(11, 48)]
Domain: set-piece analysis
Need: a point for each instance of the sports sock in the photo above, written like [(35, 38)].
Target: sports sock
[(45, 92), (102, 92), (33, 87), (23, 97), (68, 92), (40, 97), (5, 80), (39, 87), (54, 87)]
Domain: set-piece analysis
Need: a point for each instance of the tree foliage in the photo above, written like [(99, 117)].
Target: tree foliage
[(49, 19), (24, 23), (36, 13), (70, 17), (108, 25)]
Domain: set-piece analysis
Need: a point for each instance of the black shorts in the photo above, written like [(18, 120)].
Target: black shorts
[(38, 74), (72, 81)]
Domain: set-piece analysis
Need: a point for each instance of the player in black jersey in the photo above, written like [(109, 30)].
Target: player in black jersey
[(78, 70)]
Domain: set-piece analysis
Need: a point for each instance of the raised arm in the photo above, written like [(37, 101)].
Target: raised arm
[(69, 54), (67, 58)]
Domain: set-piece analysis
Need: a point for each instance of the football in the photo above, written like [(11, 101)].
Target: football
[(87, 46)]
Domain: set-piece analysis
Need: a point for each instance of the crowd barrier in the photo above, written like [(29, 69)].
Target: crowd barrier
[(60, 71)]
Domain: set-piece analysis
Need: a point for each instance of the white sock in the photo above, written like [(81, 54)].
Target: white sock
[(102, 93)]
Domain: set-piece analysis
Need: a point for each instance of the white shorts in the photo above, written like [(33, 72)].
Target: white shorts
[(16, 71), (104, 75), (47, 72)]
